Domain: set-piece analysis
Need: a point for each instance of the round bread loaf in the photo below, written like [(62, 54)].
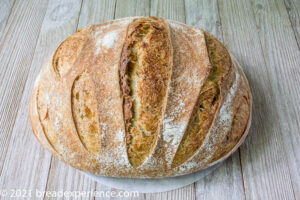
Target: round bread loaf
[(141, 97)]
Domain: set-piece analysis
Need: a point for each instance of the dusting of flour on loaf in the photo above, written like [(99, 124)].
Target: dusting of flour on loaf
[(171, 129), (226, 114), (123, 22), (57, 123), (219, 129), (116, 156), (183, 27), (120, 136), (104, 127), (98, 33), (109, 39), (172, 133)]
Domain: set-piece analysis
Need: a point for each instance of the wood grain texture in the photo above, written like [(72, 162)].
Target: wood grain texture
[(254, 38), (16, 53), (132, 8), (282, 54), (96, 12), (168, 9), (65, 178), (224, 183), (127, 8), (5, 10), (293, 9), (204, 14), (27, 165), (227, 181)]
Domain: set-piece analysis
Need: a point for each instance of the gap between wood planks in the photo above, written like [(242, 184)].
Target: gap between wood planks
[(294, 16)]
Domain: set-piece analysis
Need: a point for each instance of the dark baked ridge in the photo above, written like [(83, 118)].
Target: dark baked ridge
[(208, 103), (144, 75)]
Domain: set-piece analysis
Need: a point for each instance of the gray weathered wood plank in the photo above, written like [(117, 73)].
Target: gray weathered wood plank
[(65, 178), (16, 53), (5, 10), (204, 14), (168, 9), (96, 12), (267, 51), (26, 164), (293, 9), (127, 8), (226, 182), (282, 54)]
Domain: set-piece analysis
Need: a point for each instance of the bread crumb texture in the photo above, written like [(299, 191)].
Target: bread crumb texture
[(141, 97)]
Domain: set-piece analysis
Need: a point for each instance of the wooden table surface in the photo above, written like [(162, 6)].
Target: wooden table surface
[(264, 35)]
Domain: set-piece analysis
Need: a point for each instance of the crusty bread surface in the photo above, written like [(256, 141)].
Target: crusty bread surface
[(141, 97)]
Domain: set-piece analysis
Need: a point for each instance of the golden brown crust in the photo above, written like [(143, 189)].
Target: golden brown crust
[(68, 51), (195, 117), (85, 112)]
